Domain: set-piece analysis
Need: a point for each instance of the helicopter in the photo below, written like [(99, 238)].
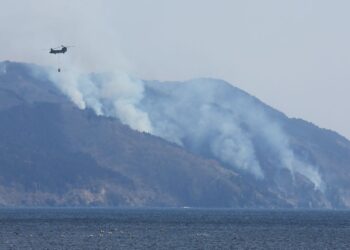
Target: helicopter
[(59, 50)]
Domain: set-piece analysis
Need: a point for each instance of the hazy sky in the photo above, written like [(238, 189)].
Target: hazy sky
[(292, 54)]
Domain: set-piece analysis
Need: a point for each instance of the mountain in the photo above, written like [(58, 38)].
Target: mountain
[(68, 140), (290, 158)]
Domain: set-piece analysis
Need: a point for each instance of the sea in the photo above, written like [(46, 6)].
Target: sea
[(97, 228)]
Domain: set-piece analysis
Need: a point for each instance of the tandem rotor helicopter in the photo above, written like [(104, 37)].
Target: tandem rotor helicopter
[(59, 50)]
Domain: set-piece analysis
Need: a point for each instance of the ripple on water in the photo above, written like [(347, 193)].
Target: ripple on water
[(171, 228)]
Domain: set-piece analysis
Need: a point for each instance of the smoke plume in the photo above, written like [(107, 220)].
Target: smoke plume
[(206, 116), (113, 94)]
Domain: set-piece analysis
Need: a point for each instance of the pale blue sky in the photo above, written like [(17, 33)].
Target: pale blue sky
[(292, 54)]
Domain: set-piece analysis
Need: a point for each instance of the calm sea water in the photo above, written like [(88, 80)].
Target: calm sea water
[(173, 229)]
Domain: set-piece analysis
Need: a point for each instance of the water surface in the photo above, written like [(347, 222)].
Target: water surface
[(173, 229)]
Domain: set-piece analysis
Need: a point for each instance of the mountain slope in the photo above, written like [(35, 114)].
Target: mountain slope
[(292, 158), (53, 153), (213, 145)]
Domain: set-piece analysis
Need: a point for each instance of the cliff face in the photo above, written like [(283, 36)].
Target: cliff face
[(212, 146)]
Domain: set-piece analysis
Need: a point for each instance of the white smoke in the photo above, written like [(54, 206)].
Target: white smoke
[(213, 115), (279, 143), (206, 116), (200, 115), (113, 94)]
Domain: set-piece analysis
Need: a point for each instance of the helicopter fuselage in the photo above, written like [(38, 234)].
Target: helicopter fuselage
[(58, 51)]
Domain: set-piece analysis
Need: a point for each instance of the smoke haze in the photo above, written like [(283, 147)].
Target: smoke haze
[(206, 116), (113, 94), (285, 52), (123, 40)]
